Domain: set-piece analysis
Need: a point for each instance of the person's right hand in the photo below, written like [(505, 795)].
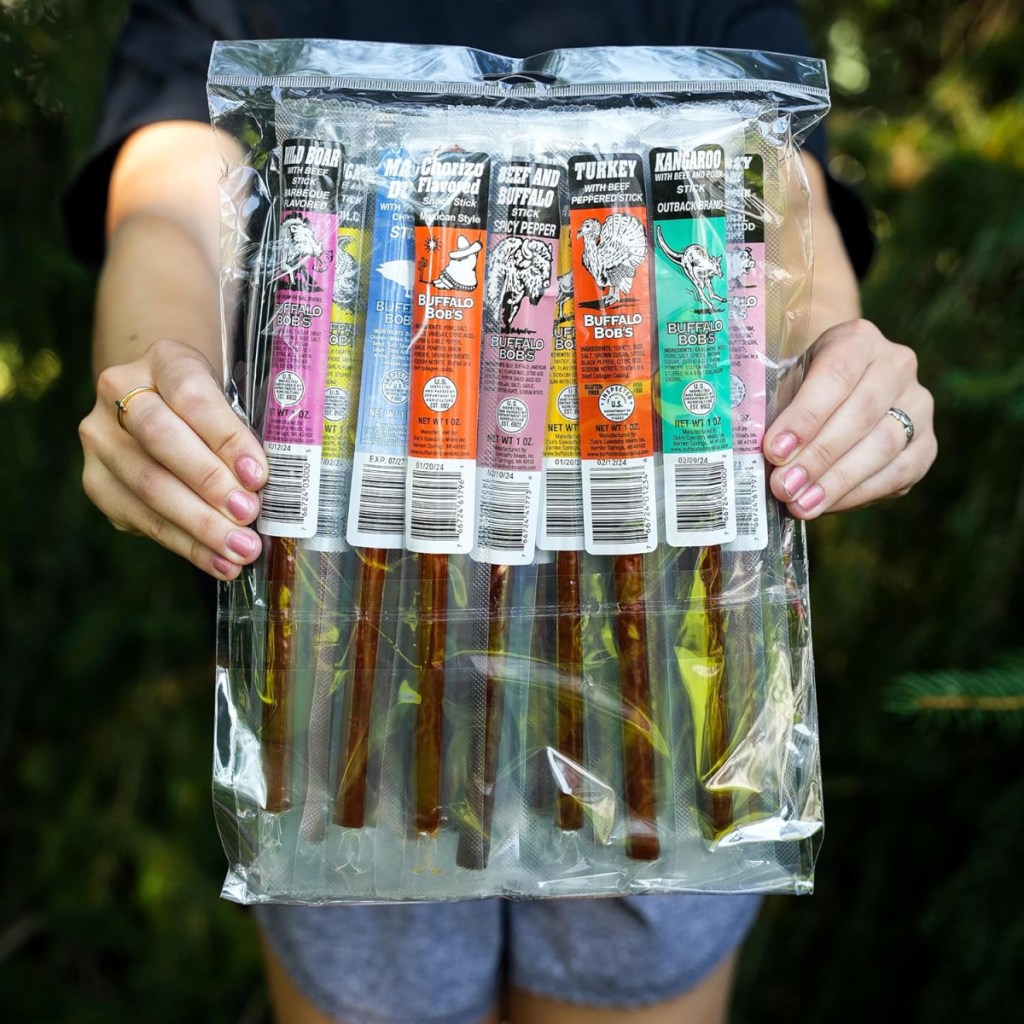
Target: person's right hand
[(186, 469)]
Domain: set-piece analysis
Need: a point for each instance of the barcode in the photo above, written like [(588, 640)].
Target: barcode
[(747, 506), (284, 498), (563, 502), (382, 500), (618, 506), (701, 494), (504, 513), (436, 505), (333, 477)]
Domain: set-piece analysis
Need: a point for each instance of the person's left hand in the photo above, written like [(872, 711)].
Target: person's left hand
[(835, 446)]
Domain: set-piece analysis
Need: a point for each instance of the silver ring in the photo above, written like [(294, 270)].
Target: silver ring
[(904, 421)]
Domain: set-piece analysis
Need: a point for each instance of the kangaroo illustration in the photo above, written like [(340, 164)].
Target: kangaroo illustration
[(700, 268)]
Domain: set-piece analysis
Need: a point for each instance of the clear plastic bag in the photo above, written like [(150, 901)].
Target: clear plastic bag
[(528, 621)]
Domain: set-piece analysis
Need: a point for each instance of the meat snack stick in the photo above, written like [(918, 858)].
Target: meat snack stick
[(688, 188), (760, 323), (518, 327), (310, 179), (328, 544), (275, 736), (450, 197), (376, 521), (710, 700), (611, 271), (562, 532), (538, 791), (741, 559)]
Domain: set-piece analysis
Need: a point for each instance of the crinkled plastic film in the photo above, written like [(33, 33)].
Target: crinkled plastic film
[(528, 621)]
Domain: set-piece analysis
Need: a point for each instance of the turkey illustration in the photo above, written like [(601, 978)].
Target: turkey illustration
[(612, 252), (520, 268)]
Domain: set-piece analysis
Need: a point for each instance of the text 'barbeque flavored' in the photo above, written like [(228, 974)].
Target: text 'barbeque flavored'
[(518, 327), (450, 192), (311, 173), (611, 279), (688, 187)]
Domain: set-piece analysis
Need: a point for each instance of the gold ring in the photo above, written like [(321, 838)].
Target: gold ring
[(122, 403)]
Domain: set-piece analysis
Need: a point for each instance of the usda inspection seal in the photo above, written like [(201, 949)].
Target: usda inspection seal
[(394, 386), (439, 394), (512, 415), (737, 390), (699, 397), (569, 403), (616, 403), (335, 404), (288, 388)]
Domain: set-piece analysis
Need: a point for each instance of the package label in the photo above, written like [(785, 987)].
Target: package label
[(347, 322), (612, 306), (690, 275), (450, 193), (747, 347), (377, 506), (520, 294), (303, 271), (561, 515)]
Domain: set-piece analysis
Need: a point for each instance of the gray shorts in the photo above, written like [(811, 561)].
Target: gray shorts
[(447, 963)]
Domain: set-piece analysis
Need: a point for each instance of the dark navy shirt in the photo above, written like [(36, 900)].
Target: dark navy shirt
[(160, 64)]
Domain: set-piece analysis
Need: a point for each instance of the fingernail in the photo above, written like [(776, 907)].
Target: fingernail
[(794, 480), (783, 446), (223, 566), (811, 498), (242, 542), (250, 472), (243, 505)]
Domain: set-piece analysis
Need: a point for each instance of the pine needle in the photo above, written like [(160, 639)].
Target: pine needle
[(969, 699)]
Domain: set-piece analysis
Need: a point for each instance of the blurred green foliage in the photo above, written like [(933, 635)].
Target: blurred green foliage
[(108, 910), (914, 916)]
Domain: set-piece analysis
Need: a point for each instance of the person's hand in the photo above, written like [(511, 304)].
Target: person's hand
[(836, 446), (185, 469)]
